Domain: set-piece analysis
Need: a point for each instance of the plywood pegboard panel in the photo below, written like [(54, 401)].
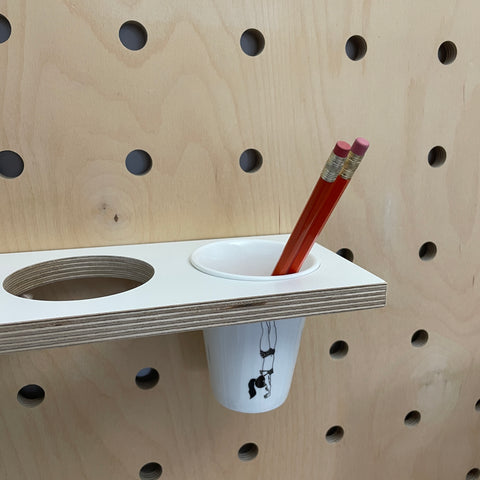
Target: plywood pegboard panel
[(74, 102), (194, 101)]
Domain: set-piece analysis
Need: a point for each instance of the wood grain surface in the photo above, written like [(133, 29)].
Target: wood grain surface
[(74, 102)]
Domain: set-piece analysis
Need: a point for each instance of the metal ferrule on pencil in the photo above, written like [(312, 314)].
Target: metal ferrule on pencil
[(332, 168), (351, 164)]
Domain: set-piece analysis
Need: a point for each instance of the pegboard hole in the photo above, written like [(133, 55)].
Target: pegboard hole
[(334, 434), (248, 452), (477, 405), (5, 29), (427, 251), (420, 338), (356, 48), (339, 349), (437, 156), (251, 160), (150, 471), (252, 42), (31, 395), (412, 418), (138, 162), (11, 164), (147, 378), (473, 474), (346, 253), (133, 35), (447, 52)]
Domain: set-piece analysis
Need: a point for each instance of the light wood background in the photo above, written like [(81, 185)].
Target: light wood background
[(74, 101)]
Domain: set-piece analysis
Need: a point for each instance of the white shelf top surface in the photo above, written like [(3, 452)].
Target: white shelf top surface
[(175, 281)]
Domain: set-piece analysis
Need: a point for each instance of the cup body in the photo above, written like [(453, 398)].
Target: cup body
[(251, 365)]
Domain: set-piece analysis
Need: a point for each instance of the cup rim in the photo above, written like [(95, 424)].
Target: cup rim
[(199, 264)]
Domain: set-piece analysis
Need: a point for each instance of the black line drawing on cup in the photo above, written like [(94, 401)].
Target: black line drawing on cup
[(267, 346)]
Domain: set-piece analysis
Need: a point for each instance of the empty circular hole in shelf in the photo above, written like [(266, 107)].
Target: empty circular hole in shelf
[(427, 251), (334, 434), (78, 278), (31, 395), (5, 29), (81, 289), (346, 253), (473, 474), (339, 349), (251, 160), (477, 405), (420, 338), (138, 162), (447, 52), (147, 378), (133, 35), (11, 164), (252, 42), (356, 47), (412, 418), (247, 452), (437, 156), (150, 471)]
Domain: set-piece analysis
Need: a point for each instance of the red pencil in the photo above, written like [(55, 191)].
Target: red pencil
[(330, 171), (359, 147)]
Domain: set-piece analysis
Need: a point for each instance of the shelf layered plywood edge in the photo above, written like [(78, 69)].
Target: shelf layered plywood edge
[(175, 297)]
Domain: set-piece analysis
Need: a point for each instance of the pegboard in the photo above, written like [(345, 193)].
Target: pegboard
[(387, 393)]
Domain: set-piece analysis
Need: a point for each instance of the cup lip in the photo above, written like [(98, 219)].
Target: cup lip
[(199, 265)]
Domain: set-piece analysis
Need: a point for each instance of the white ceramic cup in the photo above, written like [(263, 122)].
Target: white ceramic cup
[(251, 365)]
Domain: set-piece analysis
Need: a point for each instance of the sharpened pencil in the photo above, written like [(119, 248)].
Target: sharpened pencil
[(355, 156), (320, 193)]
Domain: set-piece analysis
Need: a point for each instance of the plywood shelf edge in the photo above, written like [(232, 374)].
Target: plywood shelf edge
[(177, 298)]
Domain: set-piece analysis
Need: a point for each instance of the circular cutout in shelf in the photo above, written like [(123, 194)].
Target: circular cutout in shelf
[(31, 395), (31, 281), (246, 259)]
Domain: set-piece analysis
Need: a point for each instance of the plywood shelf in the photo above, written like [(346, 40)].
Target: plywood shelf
[(175, 297)]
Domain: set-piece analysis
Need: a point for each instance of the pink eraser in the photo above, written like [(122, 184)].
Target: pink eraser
[(341, 149), (360, 146)]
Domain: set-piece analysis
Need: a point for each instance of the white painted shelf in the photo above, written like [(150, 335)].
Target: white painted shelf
[(178, 297)]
